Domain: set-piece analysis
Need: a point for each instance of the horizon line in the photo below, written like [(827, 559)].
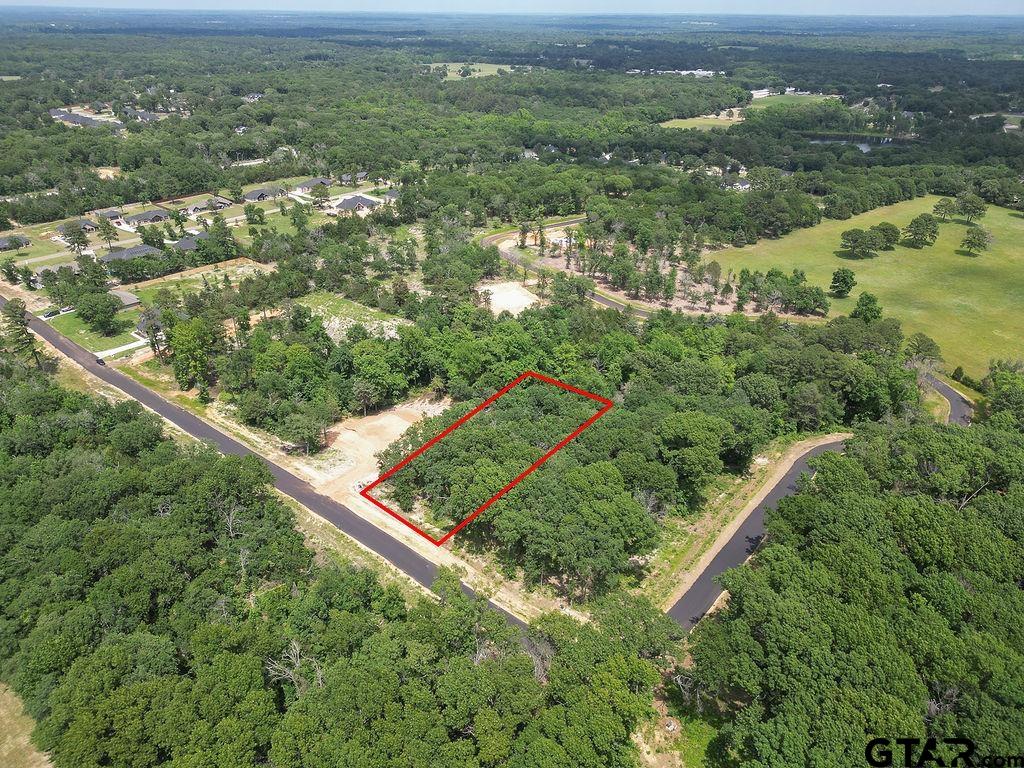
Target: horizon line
[(579, 14)]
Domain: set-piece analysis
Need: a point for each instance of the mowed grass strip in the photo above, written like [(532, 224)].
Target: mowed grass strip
[(703, 123), (72, 326), (787, 99), (973, 306)]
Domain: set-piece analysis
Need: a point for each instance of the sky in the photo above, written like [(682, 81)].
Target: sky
[(760, 7)]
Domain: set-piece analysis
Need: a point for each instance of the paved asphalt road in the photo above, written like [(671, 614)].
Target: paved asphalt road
[(960, 408), (366, 533), (705, 590)]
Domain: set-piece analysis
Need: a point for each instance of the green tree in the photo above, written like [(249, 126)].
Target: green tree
[(976, 240), (16, 334), (9, 269), (254, 215), (922, 230), (320, 195), (99, 311), (152, 236), (860, 244), (191, 342), (970, 206), (868, 309), (923, 348), (843, 281), (945, 209), (107, 231), (76, 238), (889, 234)]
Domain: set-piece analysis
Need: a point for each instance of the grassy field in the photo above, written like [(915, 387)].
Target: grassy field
[(214, 275), (16, 751), (971, 305), (479, 70), (331, 305), (786, 99), (704, 123), (71, 325)]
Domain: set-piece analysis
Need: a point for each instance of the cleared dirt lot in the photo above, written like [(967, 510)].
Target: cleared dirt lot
[(509, 297), (16, 751)]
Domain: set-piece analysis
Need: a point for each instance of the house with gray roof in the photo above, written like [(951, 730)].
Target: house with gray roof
[(310, 184), (135, 252), (11, 242), (346, 178), (147, 217), (258, 195), (83, 121), (83, 224), (190, 243), (72, 265), (357, 203), (126, 298), (140, 115), (215, 203)]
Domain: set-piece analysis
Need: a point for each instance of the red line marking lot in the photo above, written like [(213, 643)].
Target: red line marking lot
[(606, 406)]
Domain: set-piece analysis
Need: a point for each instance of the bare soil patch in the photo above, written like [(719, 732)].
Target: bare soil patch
[(509, 297), (16, 750)]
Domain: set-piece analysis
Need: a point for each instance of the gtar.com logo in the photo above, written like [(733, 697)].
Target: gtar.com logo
[(910, 752)]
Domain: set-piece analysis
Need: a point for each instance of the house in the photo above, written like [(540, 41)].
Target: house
[(83, 224), (258, 195), (241, 130), (189, 244), (127, 299), (357, 203), (72, 265), (111, 214), (147, 217), (346, 178), (140, 115), (70, 118), (135, 252), (252, 98), (529, 154), (310, 184), (392, 195), (215, 203), (11, 242)]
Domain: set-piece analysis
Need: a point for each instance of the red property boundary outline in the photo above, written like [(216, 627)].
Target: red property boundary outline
[(606, 406)]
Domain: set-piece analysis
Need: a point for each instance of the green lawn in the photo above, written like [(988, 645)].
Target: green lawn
[(329, 305), (75, 329), (704, 123), (786, 99), (479, 70), (191, 283), (973, 306), (696, 732)]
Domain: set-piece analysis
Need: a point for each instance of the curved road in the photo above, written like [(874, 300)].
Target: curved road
[(960, 408), (703, 593)]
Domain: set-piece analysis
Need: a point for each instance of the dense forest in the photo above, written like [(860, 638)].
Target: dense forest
[(159, 608), (887, 601)]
